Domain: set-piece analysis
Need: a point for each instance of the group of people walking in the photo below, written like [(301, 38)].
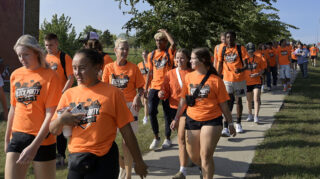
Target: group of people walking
[(197, 90)]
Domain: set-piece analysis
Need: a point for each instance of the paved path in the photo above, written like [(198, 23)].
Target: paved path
[(233, 155)]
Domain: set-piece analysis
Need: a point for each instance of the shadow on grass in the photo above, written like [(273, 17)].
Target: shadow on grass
[(273, 170), (288, 144)]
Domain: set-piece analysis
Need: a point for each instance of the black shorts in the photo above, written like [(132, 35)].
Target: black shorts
[(173, 113), (294, 61), (20, 141), (251, 87), (106, 166), (197, 125), (313, 57)]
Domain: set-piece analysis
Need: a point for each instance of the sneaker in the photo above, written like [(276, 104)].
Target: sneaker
[(250, 118), (155, 144), (122, 173), (256, 119), (166, 144), (262, 89), (179, 175), (239, 128), (60, 163), (225, 132), (145, 120)]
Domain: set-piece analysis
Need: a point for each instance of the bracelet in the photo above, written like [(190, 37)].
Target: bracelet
[(176, 119)]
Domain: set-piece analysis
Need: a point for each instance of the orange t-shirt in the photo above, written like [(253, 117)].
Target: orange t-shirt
[(128, 78), (314, 51), (272, 57), (211, 95), (106, 60), (262, 55), (105, 109), (160, 65), (217, 54), (255, 65), (231, 61), (171, 86), (144, 71), (55, 64), (31, 92), (283, 54)]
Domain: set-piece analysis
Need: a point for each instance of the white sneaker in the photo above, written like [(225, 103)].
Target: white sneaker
[(122, 173), (239, 128), (256, 119), (250, 118), (145, 120), (155, 144), (262, 89), (225, 132), (166, 144)]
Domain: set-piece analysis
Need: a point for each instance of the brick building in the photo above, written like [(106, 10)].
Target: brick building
[(17, 17)]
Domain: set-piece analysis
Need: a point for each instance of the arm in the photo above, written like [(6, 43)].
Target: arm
[(136, 104), (220, 68), (181, 108), (29, 152), (245, 66), (149, 77), (227, 114), (169, 37), (9, 128), (132, 143), (68, 83), (66, 118)]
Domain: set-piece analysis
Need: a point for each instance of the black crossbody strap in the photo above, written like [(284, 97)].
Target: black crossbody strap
[(196, 92)]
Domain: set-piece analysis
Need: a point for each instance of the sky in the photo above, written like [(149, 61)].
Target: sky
[(105, 14)]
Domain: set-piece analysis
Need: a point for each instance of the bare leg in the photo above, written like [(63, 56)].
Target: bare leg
[(128, 160), (209, 138), (183, 155), (193, 146), (14, 170), (249, 102), (46, 169), (257, 93)]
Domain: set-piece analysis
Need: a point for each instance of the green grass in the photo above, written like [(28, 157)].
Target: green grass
[(144, 135), (291, 147)]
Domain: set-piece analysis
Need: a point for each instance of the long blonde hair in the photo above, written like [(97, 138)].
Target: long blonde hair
[(31, 42)]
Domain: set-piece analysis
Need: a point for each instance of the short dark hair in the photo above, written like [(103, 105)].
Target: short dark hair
[(232, 33), (51, 36), (282, 40), (93, 55)]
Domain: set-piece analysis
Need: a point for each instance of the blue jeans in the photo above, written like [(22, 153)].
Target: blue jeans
[(274, 72), (153, 102), (304, 69)]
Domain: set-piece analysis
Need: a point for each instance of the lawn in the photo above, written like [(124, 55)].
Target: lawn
[(291, 147), (144, 135)]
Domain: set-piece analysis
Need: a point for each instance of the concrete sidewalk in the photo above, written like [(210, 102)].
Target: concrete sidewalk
[(233, 155)]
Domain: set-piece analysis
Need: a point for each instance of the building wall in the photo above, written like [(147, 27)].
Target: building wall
[(11, 27)]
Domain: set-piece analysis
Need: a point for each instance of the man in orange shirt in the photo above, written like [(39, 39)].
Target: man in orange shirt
[(314, 53), (218, 50), (233, 62), (283, 54), (62, 64), (272, 68), (160, 61)]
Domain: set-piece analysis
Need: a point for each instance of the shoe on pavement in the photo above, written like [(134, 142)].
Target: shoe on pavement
[(225, 132), (250, 118), (155, 144), (166, 144), (179, 175), (122, 173), (239, 128), (256, 119), (145, 120)]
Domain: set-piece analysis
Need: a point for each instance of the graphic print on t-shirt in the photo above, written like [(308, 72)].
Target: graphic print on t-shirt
[(27, 92), (120, 81), (53, 66), (90, 110), (204, 91), (252, 65), (230, 58), (284, 52), (160, 63)]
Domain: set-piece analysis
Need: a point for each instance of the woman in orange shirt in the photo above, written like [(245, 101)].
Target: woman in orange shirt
[(98, 110), (171, 89), (35, 92), (204, 118)]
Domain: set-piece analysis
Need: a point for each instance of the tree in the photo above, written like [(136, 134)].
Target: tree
[(195, 23), (106, 39), (62, 27)]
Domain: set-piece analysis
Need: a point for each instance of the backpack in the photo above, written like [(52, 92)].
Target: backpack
[(167, 53), (63, 63), (238, 49)]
